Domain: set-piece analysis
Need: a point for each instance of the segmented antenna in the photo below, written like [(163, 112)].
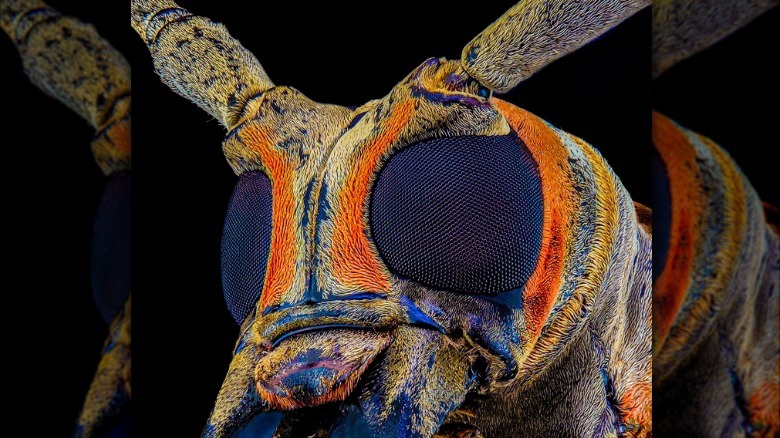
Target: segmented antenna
[(534, 33), (69, 61)]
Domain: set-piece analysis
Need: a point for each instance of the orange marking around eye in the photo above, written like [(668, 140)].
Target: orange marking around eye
[(635, 409), (672, 284), (354, 263), (120, 137), (281, 258), (762, 405), (548, 151)]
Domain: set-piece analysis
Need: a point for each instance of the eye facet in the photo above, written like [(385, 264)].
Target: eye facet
[(246, 241), (461, 213), (110, 261)]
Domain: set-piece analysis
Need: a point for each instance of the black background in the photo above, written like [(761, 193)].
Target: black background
[(337, 53), (729, 93), (51, 190)]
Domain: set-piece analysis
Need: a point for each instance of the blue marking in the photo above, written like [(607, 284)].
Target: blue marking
[(322, 211), (362, 296), (168, 16), (739, 396), (609, 390), (35, 12), (310, 355), (270, 309), (417, 317), (324, 204), (472, 55), (495, 346), (511, 299), (307, 381), (167, 12), (240, 347), (403, 420), (315, 328), (311, 292), (448, 98), (232, 133), (311, 299), (432, 359), (355, 120)]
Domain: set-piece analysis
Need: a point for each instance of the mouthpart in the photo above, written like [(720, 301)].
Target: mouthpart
[(318, 353)]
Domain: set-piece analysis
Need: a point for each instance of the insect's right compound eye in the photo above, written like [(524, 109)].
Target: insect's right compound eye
[(462, 214), (246, 242)]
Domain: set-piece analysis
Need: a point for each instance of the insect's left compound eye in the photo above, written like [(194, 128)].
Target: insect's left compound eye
[(246, 241), (110, 264), (662, 212), (460, 213)]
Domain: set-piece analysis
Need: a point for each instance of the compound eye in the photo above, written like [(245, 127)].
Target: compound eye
[(110, 252), (662, 212), (246, 241), (462, 214)]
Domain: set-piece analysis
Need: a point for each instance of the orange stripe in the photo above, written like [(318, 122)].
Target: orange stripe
[(281, 260), (636, 408), (119, 136), (355, 264), (762, 405), (672, 284), (549, 153)]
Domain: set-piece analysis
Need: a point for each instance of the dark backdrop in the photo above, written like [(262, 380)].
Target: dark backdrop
[(51, 188), (346, 54), (729, 93)]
